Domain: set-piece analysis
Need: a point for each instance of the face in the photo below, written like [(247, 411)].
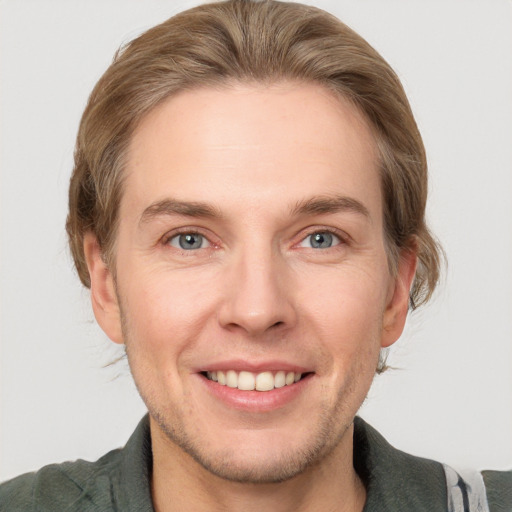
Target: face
[(253, 290)]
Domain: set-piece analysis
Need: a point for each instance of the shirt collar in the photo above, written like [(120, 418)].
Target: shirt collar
[(396, 481)]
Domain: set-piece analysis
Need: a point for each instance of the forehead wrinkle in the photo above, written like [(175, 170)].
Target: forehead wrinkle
[(318, 205), (170, 207)]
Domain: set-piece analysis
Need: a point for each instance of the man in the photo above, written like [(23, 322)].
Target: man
[(247, 207)]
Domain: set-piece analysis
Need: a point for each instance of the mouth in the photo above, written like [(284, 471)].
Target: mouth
[(249, 381)]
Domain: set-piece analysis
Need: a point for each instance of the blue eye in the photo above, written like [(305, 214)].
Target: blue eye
[(189, 241), (320, 240)]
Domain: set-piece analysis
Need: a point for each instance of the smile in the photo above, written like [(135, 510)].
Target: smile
[(248, 381)]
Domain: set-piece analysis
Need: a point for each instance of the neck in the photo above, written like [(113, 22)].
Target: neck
[(180, 484)]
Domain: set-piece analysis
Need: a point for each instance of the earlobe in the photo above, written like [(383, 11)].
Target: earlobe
[(103, 294), (398, 300)]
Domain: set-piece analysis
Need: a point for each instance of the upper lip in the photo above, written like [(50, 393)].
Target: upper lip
[(240, 365)]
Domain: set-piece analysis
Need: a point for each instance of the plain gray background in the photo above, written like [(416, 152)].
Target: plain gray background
[(450, 400)]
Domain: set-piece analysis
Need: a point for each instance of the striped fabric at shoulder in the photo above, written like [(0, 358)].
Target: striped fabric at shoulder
[(466, 491)]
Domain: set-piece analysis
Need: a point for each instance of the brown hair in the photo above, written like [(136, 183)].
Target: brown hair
[(247, 40)]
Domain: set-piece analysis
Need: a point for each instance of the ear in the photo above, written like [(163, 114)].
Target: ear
[(103, 294), (398, 297)]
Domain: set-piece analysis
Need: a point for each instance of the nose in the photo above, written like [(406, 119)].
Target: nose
[(258, 294)]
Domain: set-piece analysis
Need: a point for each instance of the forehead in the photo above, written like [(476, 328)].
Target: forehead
[(248, 144)]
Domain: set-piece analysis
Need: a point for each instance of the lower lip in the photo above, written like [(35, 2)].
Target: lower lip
[(256, 401)]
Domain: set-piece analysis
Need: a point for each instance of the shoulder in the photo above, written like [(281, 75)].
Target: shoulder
[(498, 485), (16, 494), (397, 481), (61, 487), (120, 480)]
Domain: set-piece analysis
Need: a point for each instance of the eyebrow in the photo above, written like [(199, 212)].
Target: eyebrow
[(316, 205), (171, 207), (329, 204)]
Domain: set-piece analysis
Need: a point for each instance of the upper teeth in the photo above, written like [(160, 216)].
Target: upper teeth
[(247, 381)]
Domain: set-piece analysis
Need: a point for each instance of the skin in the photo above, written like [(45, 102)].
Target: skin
[(269, 165)]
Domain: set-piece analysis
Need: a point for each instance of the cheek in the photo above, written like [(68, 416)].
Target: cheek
[(344, 311), (165, 311), (350, 296)]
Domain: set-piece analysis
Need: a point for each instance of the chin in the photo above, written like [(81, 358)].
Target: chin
[(271, 470), (257, 457), (254, 466)]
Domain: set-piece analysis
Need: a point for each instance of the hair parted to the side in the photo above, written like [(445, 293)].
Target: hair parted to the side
[(250, 41)]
